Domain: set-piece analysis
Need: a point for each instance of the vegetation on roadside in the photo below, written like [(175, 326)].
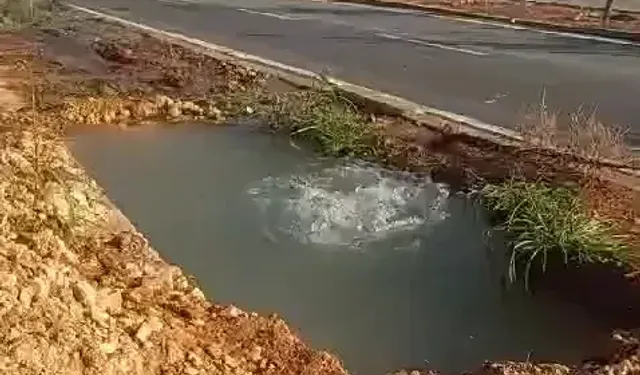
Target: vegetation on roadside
[(325, 117), (583, 134), (543, 222), (18, 13)]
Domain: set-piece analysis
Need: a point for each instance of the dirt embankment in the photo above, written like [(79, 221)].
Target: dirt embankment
[(82, 293), (81, 290)]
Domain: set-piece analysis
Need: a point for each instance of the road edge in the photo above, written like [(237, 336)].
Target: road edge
[(382, 102), (618, 36), (379, 102)]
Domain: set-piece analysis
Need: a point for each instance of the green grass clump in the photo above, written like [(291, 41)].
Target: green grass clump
[(543, 222), (326, 118)]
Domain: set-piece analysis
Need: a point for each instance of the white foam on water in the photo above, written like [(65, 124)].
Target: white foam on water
[(350, 205)]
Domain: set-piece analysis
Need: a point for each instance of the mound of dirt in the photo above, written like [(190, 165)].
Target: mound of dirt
[(82, 293)]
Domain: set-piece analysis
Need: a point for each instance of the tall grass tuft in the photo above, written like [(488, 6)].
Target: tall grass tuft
[(325, 117), (582, 135), (543, 222)]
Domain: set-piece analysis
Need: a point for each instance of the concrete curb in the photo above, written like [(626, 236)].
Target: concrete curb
[(620, 35), (380, 102)]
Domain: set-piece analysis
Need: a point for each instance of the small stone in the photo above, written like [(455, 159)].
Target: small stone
[(187, 106), (414, 372), (174, 111), (256, 354), (198, 294), (264, 364), (174, 353), (110, 116), (214, 112), (54, 196), (198, 322), (91, 119), (26, 297), (194, 359), (233, 311), (249, 110), (191, 371), (7, 280), (124, 114), (66, 254), (145, 110), (110, 301), (214, 350), (230, 361), (85, 293), (148, 328), (109, 347), (99, 316), (163, 101), (41, 288)]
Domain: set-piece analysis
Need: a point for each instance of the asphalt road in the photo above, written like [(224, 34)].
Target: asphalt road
[(488, 72)]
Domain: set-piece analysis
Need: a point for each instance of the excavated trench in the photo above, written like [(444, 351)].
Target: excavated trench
[(387, 270)]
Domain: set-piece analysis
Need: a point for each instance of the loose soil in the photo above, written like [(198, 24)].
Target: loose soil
[(82, 292), (551, 13)]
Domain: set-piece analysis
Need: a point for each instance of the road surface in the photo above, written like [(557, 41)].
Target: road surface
[(488, 72)]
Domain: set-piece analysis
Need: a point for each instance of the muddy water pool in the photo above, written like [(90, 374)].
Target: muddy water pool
[(385, 269)]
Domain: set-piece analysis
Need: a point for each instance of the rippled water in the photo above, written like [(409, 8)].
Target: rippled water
[(348, 204), (386, 269)]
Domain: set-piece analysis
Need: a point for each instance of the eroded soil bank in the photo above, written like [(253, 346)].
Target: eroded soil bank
[(82, 291)]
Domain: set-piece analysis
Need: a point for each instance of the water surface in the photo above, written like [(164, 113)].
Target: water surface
[(385, 269)]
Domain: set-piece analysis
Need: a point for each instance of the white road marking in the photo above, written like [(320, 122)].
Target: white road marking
[(363, 91), (500, 24), (386, 9), (179, 1), (431, 44), (273, 15), (495, 98), (563, 34), (380, 34)]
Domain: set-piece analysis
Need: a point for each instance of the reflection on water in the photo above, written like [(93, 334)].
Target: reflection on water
[(387, 270)]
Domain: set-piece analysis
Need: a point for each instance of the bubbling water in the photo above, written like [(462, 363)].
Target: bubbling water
[(350, 205)]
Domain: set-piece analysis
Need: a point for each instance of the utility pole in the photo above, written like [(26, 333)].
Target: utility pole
[(606, 15)]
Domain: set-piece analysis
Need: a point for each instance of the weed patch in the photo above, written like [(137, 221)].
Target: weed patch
[(583, 135), (544, 222), (326, 118)]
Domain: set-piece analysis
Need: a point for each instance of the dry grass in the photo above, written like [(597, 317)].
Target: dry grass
[(584, 135), (597, 141)]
